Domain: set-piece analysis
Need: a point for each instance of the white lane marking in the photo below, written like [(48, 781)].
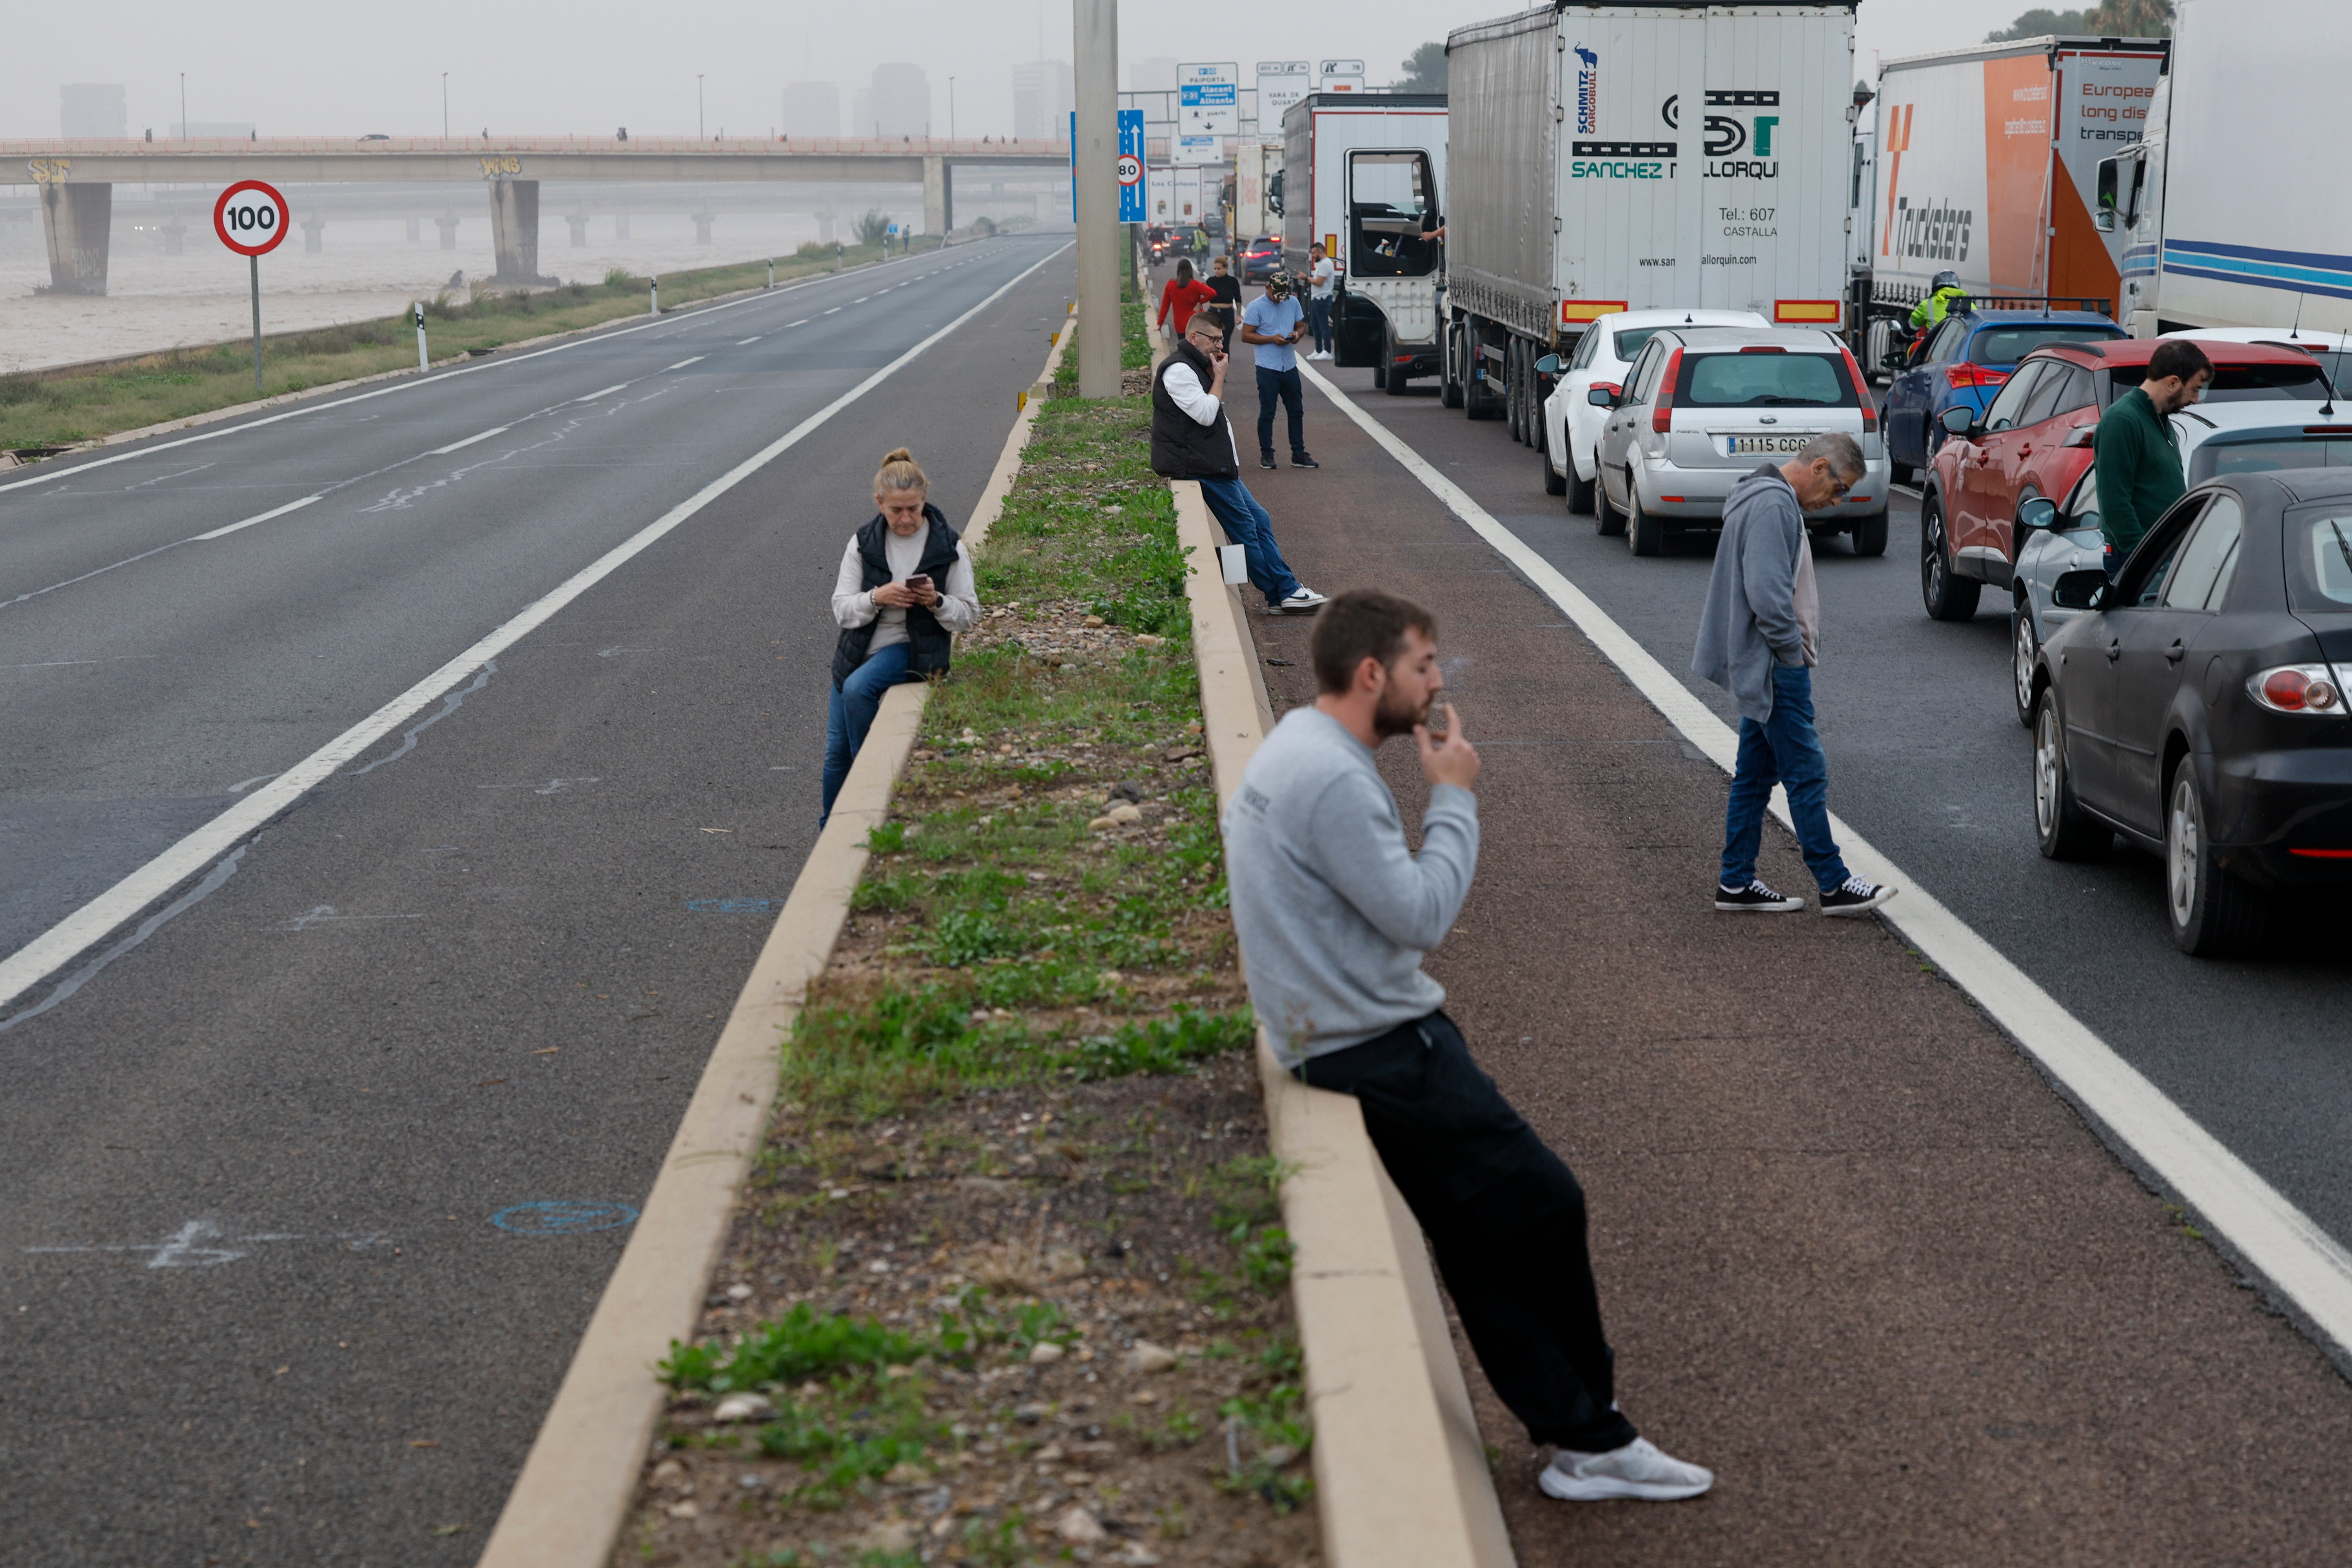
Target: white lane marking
[(859, 300), (2275, 1238), (99, 572), (834, 312), (410, 383), (249, 523), (165, 478), (754, 338), (184, 1248), (62, 663), (460, 445), (616, 386), (58, 946), (788, 326), (696, 359)]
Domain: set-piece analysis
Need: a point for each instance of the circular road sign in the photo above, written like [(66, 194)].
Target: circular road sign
[(251, 217), (1131, 169)]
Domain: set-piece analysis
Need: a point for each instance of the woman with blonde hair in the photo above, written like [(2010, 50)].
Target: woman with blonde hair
[(905, 585)]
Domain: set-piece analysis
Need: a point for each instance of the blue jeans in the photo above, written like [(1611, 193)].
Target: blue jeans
[(1248, 525), (1283, 384), (1782, 750), (851, 713), (1318, 322)]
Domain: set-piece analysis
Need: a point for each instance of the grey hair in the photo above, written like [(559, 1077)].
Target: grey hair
[(1843, 452)]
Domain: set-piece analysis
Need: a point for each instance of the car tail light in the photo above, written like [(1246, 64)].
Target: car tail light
[(2296, 688), (1965, 374), (1662, 417), (1861, 392), (2322, 854)]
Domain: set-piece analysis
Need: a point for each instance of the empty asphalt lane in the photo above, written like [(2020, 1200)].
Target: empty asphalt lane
[(136, 699), (1928, 761), (313, 1191)]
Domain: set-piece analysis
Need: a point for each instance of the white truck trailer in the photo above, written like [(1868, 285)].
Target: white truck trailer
[(2219, 223), (1633, 156), (1984, 165), (1362, 174), (1257, 190)]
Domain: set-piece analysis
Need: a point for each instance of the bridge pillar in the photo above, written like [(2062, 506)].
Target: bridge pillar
[(447, 224), (514, 230), (579, 222), (938, 200), (76, 219), (415, 230), (314, 231)]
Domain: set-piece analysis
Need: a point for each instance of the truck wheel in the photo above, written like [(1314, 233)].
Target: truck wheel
[(1394, 384), (1948, 595), (2213, 912), (1607, 520), (1870, 535), (2061, 829), (1554, 484), (1645, 534)]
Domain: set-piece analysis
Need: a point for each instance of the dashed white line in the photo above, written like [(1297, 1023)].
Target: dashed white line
[(834, 312), (754, 338), (788, 326), (859, 300), (606, 393), (2275, 1237), (454, 445), (265, 517), (681, 364)]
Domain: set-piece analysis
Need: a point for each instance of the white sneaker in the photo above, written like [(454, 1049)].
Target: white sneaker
[(1639, 1469), (1304, 602)]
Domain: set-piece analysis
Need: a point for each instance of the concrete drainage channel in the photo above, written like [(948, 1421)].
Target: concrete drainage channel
[(1402, 1479)]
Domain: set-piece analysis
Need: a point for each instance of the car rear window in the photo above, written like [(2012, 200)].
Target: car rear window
[(2241, 383), (2007, 345), (1764, 380), (2268, 454), (1629, 341), (2319, 561)]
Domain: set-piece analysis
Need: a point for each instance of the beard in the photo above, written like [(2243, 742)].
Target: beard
[(1397, 715)]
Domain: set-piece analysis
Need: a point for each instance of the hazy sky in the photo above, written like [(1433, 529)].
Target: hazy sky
[(342, 70)]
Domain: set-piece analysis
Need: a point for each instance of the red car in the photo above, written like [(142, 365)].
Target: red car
[(2035, 440)]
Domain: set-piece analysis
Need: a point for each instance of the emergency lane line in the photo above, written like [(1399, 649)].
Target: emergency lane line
[(275, 511), (2271, 1236), (85, 926)]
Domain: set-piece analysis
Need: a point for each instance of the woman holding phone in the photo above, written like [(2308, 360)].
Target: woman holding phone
[(905, 585)]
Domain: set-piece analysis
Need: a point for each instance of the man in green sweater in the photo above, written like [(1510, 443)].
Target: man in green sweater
[(2138, 459)]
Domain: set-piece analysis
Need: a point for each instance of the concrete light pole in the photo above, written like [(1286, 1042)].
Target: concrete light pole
[(445, 106), (183, 106), (697, 106), (1095, 63)]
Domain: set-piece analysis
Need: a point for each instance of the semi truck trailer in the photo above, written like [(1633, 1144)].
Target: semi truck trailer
[(1361, 173), (2217, 222), (1638, 156), (1984, 165)]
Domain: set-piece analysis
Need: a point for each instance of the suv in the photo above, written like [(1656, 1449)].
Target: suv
[(2034, 442), (1261, 258), (1966, 361), (1703, 406)]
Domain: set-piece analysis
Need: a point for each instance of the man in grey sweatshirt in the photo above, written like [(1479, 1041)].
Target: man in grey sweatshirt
[(1334, 911), (1760, 638)]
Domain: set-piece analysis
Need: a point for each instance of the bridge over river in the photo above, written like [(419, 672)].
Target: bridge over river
[(76, 178)]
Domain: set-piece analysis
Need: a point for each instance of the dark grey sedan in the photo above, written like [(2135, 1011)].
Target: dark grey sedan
[(2197, 705)]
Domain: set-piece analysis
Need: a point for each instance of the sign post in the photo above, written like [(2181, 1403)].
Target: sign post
[(251, 218)]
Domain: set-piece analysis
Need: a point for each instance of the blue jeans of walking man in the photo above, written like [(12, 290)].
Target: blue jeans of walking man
[(1318, 322), (1283, 384), (1248, 525), (851, 713), (1781, 749)]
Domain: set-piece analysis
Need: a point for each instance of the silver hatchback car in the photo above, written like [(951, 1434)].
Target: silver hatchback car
[(1703, 406)]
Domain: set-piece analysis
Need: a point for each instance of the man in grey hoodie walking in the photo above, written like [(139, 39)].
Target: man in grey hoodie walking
[(1760, 638)]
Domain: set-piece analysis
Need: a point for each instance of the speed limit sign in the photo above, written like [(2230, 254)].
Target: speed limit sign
[(251, 217), (1131, 169)]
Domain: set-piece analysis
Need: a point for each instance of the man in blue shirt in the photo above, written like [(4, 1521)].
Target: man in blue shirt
[(1271, 325)]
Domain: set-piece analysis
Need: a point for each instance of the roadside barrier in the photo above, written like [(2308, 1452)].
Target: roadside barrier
[(571, 1499)]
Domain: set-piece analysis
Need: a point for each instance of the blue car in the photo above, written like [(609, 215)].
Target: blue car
[(1965, 365)]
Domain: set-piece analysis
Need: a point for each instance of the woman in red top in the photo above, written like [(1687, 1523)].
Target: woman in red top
[(1183, 294)]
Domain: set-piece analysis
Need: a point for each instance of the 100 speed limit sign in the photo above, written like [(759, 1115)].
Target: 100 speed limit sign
[(251, 217)]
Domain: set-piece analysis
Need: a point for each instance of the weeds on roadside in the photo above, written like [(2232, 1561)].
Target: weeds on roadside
[(800, 1344)]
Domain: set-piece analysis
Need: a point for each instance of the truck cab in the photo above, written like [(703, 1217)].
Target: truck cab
[(1363, 174)]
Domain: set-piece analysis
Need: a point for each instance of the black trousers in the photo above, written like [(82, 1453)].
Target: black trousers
[(1504, 1217)]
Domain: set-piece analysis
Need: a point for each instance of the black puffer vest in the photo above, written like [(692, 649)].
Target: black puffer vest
[(930, 639), (1182, 448)]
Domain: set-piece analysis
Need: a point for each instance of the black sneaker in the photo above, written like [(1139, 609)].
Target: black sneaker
[(1756, 897), (1855, 897), (1299, 460), (1266, 459)]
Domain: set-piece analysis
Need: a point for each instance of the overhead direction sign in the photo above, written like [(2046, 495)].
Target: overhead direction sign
[(251, 217), (1280, 84), (1340, 76), (1209, 98)]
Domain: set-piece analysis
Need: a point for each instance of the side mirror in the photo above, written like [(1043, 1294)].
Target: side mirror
[(2039, 512), (1958, 420), (1602, 395), (2084, 590), (1548, 365), (2105, 207)]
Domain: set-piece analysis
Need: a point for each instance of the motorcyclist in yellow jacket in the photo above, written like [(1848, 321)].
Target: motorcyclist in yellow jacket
[(1942, 295)]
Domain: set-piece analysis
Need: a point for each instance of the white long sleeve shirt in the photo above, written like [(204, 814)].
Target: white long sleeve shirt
[(957, 610), (1185, 390)]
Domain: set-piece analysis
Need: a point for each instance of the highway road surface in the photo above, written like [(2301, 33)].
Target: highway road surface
[(1928, 761), (317, 1158)]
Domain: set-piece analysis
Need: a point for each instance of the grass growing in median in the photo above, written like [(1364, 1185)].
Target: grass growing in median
[(38, 412)]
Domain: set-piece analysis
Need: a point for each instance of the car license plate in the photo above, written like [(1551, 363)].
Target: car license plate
[(1741, 445)]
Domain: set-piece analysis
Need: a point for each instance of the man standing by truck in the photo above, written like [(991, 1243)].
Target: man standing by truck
[(1271, 326), (2138, 461)]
